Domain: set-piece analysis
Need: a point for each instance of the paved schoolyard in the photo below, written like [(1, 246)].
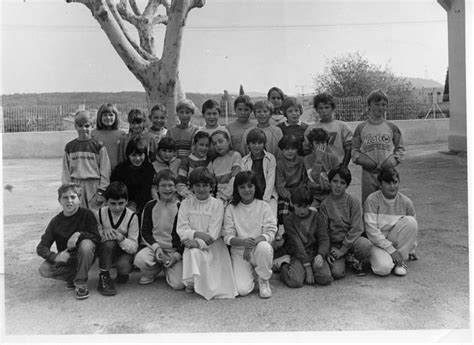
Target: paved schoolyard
[(434, 294)]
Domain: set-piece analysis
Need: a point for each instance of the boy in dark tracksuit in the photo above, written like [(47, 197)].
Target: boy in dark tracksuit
[(308, 244)]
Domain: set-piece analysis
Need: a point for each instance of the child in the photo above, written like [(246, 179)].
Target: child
[(263, 164), (183, 132), (163, 251), (86, 162), (263, 113), (249, 228), (308, 243), (243, 108), (390, 224), (318, 164), (207, 269), (166, 156), (158, 119), (107, 131), (276, 96), (225, 166), (292, 110), (74, 232), (376, 143), (118, 229), (137, 174), (137, 131), (340, 136), (342, 213)]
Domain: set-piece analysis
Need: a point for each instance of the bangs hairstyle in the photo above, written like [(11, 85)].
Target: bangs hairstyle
[(224, 133), (377, 96), (156, 108), (301, 196), (246, 100), (136, 116), (256, 135), (200, 135), (186, 104), (116, 190), (318, 135), (135, 146), (264, 104), (71, 186), (82, 117), (244, 177), (276, 89), (289, 102), (164, 175), (343, 173), (105, 108), (288, 141), (211, 104), (167, 143), (324, 98), (388, 175), (201, 175)]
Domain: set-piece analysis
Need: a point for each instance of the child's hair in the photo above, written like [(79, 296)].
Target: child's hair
[(388, 175), (200, 135), (167, 143), (291, 102), (301, 196), (224, 133), (288, 141), (211, 104), (325, 98), (245, 100), (343, 173), (136, 116), (186, 104), (244, 177), (377, 96), (74, 187), (319, 135), (164, 175), (116, 190), (157, 107), (276, 89), (256, 135), (104, 108), (201, 175), (135, 146), (82, 116), (264, 104)]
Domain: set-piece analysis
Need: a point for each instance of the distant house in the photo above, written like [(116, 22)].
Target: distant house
[(426, 94)]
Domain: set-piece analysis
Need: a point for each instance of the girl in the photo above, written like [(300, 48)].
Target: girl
[(249, 227), (207, 268), (276, 96), (137, 174), (108, 132), (225, 166)]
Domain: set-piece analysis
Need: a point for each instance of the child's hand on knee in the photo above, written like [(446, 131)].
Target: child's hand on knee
[(63, 256), (309, 277), (71, 242), (337, 253)]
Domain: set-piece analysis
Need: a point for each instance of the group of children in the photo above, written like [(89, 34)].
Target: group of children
[(219, 209)]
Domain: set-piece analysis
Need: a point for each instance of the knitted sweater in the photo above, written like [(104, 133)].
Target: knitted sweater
[(111, 140), (289, 175), (183, 138), (225, 168)]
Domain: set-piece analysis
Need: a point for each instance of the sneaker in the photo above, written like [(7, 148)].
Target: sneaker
[(144, 280), (189, 288), (82, 292), (264, 288), (412, 257), (279, 261), (400, 270), (106, 285), (70, 285), (122, 278)]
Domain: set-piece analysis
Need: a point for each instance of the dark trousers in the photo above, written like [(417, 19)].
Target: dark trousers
[(110, 253), (294, 274)]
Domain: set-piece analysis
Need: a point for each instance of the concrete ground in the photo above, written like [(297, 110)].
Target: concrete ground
[(434, 294)]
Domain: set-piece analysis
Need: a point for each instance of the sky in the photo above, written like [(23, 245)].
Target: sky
[(54, 46)]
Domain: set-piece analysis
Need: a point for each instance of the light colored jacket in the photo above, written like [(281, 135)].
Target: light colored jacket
[(269, 168)]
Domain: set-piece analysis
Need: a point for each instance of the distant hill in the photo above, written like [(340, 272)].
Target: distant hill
[(418, 83)]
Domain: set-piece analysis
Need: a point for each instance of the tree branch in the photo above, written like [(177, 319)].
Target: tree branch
[(151, 8), (135, 9), (126, 14), (160, 19)]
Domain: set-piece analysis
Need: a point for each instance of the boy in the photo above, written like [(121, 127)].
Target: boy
[(158, 119), (86, 162), (292, 110), (340, 136), (243, 108), (390, 224), (263, 113), (118, 229), (166, 156), (308, 244), (376, 143), (163, 249), (74, 232), (183, 132), (342, 213)]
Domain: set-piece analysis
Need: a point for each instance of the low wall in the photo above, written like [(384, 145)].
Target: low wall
[(51, 144)]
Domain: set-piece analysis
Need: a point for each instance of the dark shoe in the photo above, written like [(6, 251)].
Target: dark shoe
[(106, 285), (82, 292), (122, 278), (70, 285), (412, 257)]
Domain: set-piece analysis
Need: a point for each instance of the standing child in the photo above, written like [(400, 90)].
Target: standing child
[(86, 162), (225, 166), (74, 232), (118, 229), (342, 213), (137, 174), (263, 164), (183, 132), (249, 228), (107, 131), (207, 269), (376, 143), (340, 135), (243, 108), (263, 113), (163, 251), (158, 119), (276, 96), (308, 244), (292, 109)]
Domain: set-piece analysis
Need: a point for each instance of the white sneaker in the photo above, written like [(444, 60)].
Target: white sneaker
[(264, 287), (279, 261), (400, 270), (144, 280)]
